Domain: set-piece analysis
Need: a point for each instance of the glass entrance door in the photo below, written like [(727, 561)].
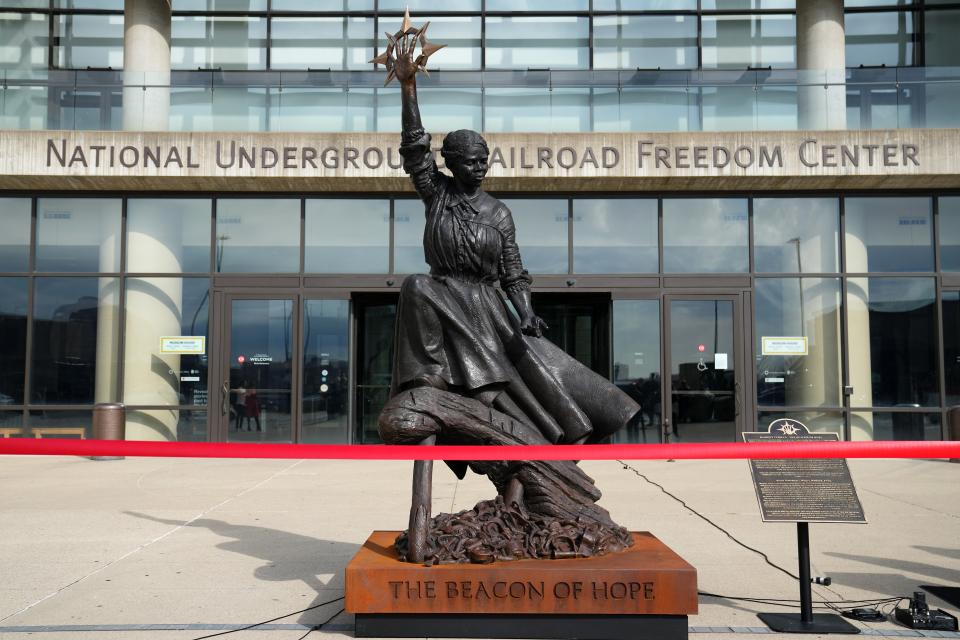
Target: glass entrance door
[(703, 388), (258, 369)]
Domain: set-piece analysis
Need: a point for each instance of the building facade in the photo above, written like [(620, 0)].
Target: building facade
[(736, 210)]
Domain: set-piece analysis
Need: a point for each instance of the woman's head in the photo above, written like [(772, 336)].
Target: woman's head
[(465, 153)]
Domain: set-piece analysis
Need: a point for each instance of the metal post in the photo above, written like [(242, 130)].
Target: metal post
[(803, 556)]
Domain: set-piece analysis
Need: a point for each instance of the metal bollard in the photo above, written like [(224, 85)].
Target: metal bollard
[(953, 426), (109, 423)]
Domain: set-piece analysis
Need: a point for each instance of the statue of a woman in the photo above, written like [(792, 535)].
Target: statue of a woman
[(456, 333)]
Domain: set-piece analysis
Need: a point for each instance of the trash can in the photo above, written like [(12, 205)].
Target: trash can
[(953, 427), (109, 423)]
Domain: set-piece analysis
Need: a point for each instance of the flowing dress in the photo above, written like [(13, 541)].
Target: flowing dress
[(455, 324)]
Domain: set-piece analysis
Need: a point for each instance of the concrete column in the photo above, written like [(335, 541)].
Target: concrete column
[(858, 330), (108, 318), (154, 308), (821, 57), (146, 65)]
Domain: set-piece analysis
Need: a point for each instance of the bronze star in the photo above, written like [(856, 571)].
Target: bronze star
[(404, 42)]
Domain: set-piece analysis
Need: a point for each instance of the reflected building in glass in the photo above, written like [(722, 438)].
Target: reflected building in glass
[(266, 313)]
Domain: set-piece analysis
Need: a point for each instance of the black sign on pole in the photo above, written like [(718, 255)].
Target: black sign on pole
[(800, 489), (803, 490)]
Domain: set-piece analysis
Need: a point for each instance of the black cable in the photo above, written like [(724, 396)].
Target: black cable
[(823, 604), (627, 467), (286, 615), (317, 627)]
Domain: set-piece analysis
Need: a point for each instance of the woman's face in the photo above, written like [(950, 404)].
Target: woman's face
[(471, 168)]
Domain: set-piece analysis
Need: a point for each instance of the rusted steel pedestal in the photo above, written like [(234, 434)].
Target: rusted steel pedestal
[(645, 592)]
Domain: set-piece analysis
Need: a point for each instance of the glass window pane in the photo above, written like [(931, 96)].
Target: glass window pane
[(796, 235), (188, 425), (815, 421), (220, 109), (537, 109), (798, 341), (636, 364), (420, 6), (168, 235), (461, 34), (13, 339), (409, 218), (24, 49), (951, 346), (153, 374), (86, 40), (541, 233), (644, 5), (261, 370), (326, 5), (15, 234), (644, 109), (537, 5), (376, 322), (75, 353), (12, 424), (888, 234), (879, 38), (347, 236), (730, 5), (226, 42), (444, 109), (321, 43), (258, 235), (728, 108), (220, 5), (949, 213), (78, 234), (648, 42), (892, 342), (942, 48), (560, 42), (615, 235), (894, 426), (705, 235), (326, 371), (740, 41), (50, 423), (318, 109)]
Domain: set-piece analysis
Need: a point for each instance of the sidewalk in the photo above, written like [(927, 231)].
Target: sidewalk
[(193, 547)]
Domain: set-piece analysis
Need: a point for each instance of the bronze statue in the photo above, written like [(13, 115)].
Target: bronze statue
[(469, 371)]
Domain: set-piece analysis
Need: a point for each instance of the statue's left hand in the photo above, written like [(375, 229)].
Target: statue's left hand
[(533, 325)]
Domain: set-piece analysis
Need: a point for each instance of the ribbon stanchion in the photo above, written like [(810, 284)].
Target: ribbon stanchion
[(691, 451)]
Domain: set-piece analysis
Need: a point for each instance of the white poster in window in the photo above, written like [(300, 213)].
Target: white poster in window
[(783, 345), (719, 361), (183, 344)]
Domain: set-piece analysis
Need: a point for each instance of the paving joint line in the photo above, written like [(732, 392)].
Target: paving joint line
[(147, 544)]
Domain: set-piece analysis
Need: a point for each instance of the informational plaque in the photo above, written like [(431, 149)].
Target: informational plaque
[(803, 489)]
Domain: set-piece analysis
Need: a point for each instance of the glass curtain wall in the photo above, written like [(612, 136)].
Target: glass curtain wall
[(109, 299)]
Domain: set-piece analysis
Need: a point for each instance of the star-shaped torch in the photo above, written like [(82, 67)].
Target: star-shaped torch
[(404, 43)]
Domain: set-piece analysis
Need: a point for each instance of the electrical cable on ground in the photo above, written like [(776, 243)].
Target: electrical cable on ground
[(627, 467), (286, 615), (317, 627)]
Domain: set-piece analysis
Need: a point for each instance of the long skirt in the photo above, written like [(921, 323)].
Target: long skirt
[(465, 334)]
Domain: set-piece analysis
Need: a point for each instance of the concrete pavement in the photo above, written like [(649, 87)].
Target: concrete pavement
[(193, 547)]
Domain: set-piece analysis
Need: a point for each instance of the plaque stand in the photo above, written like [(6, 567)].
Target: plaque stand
[(806, 621)]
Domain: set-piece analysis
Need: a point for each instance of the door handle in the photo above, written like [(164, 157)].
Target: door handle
[(225, 398)]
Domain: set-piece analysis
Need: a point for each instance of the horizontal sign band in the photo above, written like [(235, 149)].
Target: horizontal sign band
[(692, 451)]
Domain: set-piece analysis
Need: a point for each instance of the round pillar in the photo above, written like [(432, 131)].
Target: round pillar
[(146, 65), (821, 59)]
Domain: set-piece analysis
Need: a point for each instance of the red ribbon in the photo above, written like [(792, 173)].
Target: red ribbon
[(691, 451)]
